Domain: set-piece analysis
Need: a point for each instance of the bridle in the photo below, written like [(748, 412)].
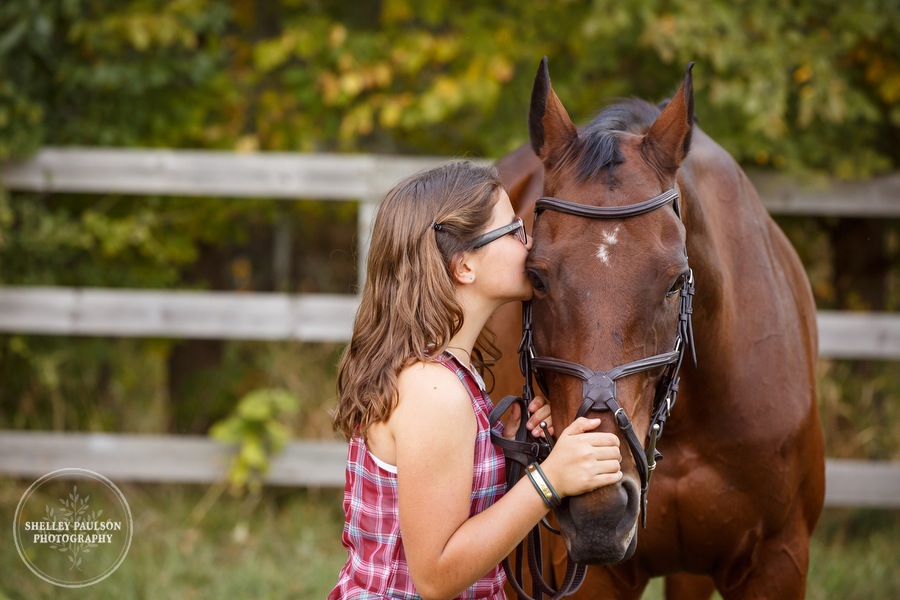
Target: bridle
[(599, 393)]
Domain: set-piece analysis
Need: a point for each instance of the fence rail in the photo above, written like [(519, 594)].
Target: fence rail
[(306, 317), (210, 173), (348, 177), (321, 317), (200, 315), (199, 460)]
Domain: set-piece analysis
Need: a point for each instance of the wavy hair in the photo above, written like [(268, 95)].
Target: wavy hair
[(408, 309)]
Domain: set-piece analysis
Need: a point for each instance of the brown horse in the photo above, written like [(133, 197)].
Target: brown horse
[(735, 500)]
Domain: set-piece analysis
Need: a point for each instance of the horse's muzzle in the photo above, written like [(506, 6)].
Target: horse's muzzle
[(600, 527)]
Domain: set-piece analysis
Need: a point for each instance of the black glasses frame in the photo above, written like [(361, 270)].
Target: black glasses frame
[(517, 227)]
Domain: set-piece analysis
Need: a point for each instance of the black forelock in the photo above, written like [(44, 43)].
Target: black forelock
[(599, 139)]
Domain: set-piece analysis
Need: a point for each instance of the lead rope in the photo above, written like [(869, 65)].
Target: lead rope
[(520, 453)]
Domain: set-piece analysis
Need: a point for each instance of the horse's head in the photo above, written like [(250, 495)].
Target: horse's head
[(608, 286)]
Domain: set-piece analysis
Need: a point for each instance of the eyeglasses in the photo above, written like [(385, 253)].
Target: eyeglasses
[(517, 228)]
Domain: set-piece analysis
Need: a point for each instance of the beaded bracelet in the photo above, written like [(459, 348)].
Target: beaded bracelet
[(543, 487)]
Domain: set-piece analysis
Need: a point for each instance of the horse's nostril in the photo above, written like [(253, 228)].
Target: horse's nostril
[(632, 498), (599, 527)]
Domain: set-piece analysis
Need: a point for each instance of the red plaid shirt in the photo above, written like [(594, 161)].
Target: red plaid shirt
[(376, 563)]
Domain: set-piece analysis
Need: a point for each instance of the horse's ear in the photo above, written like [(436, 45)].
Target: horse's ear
[(549, 124), (669, 138)]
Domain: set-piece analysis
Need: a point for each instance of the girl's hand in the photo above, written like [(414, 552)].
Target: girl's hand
[(540, 411), (583, 459)]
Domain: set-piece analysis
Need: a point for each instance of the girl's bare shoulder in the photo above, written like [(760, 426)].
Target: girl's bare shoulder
[(431, 385), (433, 417)]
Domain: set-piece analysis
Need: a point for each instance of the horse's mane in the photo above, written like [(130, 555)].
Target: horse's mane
[(598, 146)]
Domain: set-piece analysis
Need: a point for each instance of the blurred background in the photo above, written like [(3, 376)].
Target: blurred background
[(805, 90)]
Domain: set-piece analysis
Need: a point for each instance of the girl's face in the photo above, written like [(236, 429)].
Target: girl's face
[(501, 272)]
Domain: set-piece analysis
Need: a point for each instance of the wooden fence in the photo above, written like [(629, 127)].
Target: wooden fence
[(200, 460), (320, 317)]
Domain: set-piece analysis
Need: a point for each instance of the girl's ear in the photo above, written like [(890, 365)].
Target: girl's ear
[(463, 268)]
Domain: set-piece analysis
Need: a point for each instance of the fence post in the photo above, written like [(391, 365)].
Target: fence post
[(368, 206)]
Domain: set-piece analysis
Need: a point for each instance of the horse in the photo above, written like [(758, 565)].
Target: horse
[(623, 211)]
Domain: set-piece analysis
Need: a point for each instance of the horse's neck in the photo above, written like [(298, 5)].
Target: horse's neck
[(727, 230), (522, 174)]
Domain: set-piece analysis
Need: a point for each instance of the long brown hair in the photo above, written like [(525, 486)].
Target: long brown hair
[(408, 309)]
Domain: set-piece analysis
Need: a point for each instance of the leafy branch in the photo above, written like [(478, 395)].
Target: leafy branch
[(256, 428), (74, 509)]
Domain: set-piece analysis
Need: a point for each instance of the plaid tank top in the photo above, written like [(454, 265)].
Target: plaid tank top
[(376, 564)]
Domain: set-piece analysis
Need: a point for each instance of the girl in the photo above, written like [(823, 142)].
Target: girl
[(426, 514)]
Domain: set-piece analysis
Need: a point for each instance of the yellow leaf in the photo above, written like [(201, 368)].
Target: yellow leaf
[(395, 11), (890, 88), (351, 83), (803, 73), (330, 87), (337, 36), (390, 114)]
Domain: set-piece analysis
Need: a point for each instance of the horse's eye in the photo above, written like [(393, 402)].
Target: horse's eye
[(676, 285), (537, 281)]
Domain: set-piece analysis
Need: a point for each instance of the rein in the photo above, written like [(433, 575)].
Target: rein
[(599, 393)]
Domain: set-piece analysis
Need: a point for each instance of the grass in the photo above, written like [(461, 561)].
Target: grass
[(855, 555), (191, 543), (284, 545)]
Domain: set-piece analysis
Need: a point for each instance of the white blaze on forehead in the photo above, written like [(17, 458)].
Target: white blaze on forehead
[(608, 238)]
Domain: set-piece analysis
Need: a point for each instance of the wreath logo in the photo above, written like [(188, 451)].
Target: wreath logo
[(73, 527)]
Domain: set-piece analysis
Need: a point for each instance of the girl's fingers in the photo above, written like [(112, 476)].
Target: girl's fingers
[(537, 404), (608, 467), (511, 421), (542, 414), (582, 425), (608, 479), (607, 452)]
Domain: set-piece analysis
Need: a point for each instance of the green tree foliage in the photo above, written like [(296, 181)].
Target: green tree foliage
[(803, 86)]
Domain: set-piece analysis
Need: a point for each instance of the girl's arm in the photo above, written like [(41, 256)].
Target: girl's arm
[(434, 431)]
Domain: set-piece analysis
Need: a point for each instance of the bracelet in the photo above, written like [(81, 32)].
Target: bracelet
[(537, 486), (557, 501), (543, 487)]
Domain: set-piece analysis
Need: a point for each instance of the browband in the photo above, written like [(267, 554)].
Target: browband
[(608, 212)]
